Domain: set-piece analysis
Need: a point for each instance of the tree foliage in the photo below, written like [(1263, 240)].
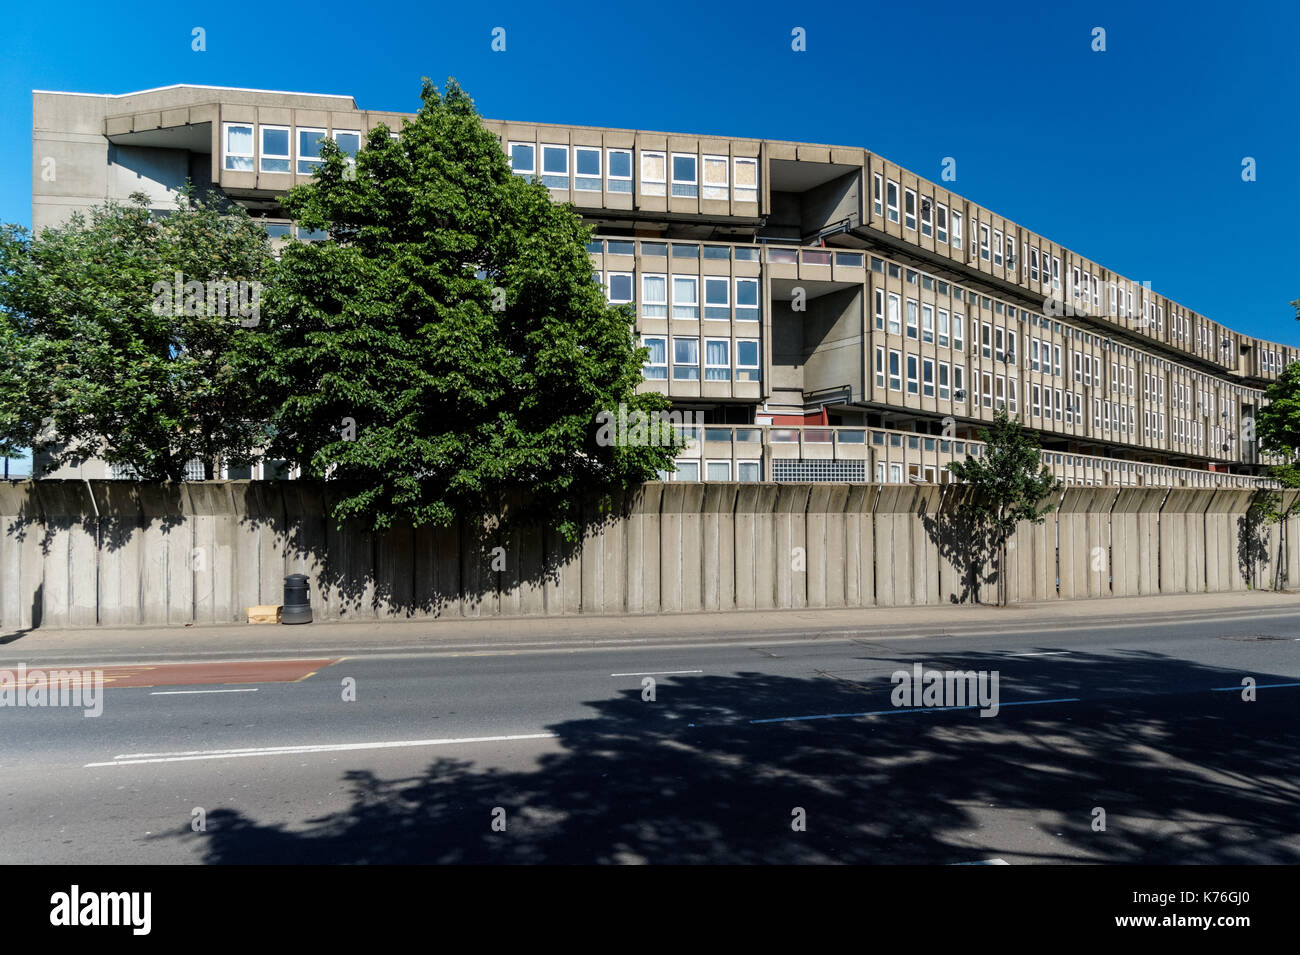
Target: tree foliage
[(1010, 486), (447, 345), (96, 363)]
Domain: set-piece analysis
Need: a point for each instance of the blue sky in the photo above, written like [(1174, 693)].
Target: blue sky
[(1131, 157)]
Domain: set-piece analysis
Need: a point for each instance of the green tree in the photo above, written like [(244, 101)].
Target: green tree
[(1277, 431), (1010, 486), (124, 335), (447, 345)]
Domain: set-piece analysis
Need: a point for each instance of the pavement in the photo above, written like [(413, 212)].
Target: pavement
[(247, 641)]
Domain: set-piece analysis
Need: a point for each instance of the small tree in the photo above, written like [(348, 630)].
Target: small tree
[(446, 347), (121, 341), (1010, 487), (1277, 429)]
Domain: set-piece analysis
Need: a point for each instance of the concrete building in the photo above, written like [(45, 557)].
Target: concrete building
[(830, 315)]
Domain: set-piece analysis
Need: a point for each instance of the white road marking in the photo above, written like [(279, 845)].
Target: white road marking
[(1042, 653), (658, 673), (985, 862), (186, 692), (133, 759)]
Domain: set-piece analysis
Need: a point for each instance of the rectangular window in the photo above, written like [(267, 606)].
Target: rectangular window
[(997, 247), (892, 201), (747, 309), (686, 359), (911, 374), (656, 363), (717, 303), (654, 172), (654, 296), (309, 141), (1011, 346), (880, 309), (909, 209), (927, 377), (986, 339), (1001, 402), (987, 380), (746, 179), (618, 170), (941, 219), (944, 328), (895, 326), (747, 368), (523, 159), (685, 176), (1035, 396), (984, 242), (1013, 395), (749, 471), (349, 142), (999, 344), (1011, 252), (895, 371), (927, 216), (1033, 264), (555, 166), (1056, 272), (958, 382), (686, 296), (956, 229), (619, 287), (275, 149), (958, 331), (687, 471), (1033, 354), (716, 185), (586, 168), (239, 147), (911, 318), (944, 374), (1047, 403), (877, 197), (717, 359), (927, 324), (1057, 408), (880, 367)]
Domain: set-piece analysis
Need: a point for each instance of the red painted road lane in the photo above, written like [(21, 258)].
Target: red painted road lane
[(198, 674)]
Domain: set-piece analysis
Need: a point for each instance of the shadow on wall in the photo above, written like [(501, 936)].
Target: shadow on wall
[(1184, 776), (964, 542)]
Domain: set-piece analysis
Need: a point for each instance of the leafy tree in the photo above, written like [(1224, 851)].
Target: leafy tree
[(447, 345), (109, 353), (1277, 429), (1010, 487)]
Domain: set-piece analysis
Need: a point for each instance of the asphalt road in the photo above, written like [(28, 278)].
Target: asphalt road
[(438, 751)]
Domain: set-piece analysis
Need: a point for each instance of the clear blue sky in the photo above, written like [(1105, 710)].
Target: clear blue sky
[(1131, 157)]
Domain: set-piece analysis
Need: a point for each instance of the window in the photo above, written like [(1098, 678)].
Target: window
[(239, 147), (749, 471), (746, 179), (618, 287), (349, 142), (958, 381), (956, 229), (1033, 264), (654, 169), (586, 168), (895, 372), (1035, 403), (987, 380), (275, 149), (892, 200), (1011, 346), (944, 373), (1056, 360), (523, 159), (555, 166), (997, 247), (877, 200), (747, 300), (716, 301), (685, 176), (944, 328), (984, 242), (309, 141), (1047, 403), (927, 216), (941, 218), (1058, 404), (909, 209), (686, 359), (716, 185), (986, 339), (1001, 392), (894, 321), (911, 374), (927, 324), (687, 470), (654, 296), (1033, 354), (958, 331), (717, 359), (880, 309), (880, 367), (747, 360), (656, 363), (1056, 272), (1013, 395), (618, 170), (999, 344), (911, 318), (686, 296), (717, 470), (927, 377), (1011, 252)]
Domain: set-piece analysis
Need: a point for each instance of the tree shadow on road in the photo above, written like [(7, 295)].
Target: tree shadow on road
[(1183, 774)]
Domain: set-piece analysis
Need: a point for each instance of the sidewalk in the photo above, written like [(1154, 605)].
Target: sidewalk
[(246, 641)]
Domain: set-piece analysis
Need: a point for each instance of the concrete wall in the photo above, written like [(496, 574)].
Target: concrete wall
[(114, 553)]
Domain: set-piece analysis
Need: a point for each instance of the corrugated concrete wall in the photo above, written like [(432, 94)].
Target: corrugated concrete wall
[(111, 553)]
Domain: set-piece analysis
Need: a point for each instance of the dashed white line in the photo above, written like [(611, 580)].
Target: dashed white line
[(658, 673), (187, 692), (1040, 653)]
